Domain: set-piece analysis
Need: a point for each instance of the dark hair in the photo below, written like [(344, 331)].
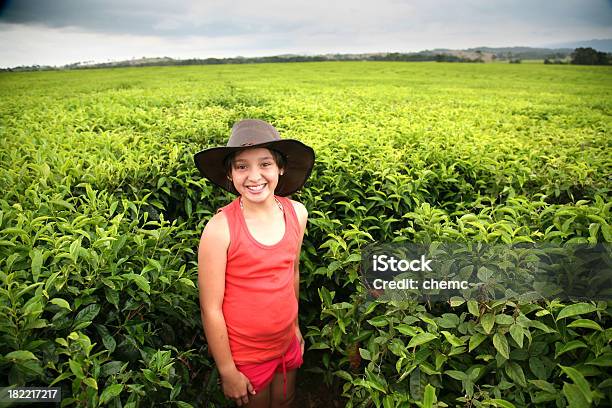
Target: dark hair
[(279, 159)]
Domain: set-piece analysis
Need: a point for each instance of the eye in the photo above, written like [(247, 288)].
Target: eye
[(266, 164), (240, 167)]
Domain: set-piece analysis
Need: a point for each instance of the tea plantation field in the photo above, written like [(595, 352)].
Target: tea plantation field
[(102, 210)]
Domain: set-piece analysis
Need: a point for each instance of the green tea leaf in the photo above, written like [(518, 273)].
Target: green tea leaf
[(406, 329), (475, 340), (499, 403), (501, 345), (572, 345), (187, 282), (541, 326), (504, 319), (544, 385), (586, 324), (110, 392), (517, 333), (87, 314), (449, 321), (456, 301), (379, 321), (140, 281), (61, 377), (108, 340), (420, 339), (579, 381), (473, 308), (76, 369), (457, 375), (91, 382), (515, 372), (36, 265), (61, 303), (429, 396), (20, 355), (576, 309), (537, 368), (602, 361), (575, 397), (365, 354), (452, 339), (487, 321), (344, 375), (110, 368)]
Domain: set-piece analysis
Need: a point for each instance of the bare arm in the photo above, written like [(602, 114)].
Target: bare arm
[(212, 260), (302, 215)]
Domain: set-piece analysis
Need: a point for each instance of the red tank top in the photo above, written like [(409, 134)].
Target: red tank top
[(259, 303)]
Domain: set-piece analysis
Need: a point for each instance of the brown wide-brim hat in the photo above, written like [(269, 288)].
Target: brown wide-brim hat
[(249, 133)]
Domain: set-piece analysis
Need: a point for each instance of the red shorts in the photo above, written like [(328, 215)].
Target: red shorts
[(261, 374)]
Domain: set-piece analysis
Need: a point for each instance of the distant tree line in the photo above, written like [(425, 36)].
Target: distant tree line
[(421, 57), (394, 56), (580, 56), (526, 53), (590, 56)]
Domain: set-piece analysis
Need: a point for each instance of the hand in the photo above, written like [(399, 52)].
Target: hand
[(237, 387), (298, 333)]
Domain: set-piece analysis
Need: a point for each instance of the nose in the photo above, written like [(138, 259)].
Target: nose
[(254, 174)]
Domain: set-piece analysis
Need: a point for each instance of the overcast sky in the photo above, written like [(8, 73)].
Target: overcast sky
[(57, 32)]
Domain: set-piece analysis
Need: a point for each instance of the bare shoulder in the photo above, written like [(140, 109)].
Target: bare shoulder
[(212, 259), (216, 232), (301, 212)]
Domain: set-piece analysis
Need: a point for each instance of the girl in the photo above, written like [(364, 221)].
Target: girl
[(248, 257)]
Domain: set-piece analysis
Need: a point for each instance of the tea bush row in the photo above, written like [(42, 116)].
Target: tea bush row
[(103, 210)]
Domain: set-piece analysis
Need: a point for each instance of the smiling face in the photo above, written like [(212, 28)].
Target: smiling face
[(255, 173)]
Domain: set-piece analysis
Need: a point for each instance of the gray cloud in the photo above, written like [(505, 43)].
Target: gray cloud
[(201, 28), (96, 15), (218, 18), (140, 17)]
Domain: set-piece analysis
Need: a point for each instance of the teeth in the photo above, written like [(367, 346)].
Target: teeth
[(256, 188)]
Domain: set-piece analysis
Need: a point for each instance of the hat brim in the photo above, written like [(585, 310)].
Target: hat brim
[(299, 163)]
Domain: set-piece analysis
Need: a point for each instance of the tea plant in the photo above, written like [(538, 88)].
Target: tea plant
[(102, 211)]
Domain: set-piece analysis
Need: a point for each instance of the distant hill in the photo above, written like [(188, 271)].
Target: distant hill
[(525, 52), (479, 54), (604, 45)]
